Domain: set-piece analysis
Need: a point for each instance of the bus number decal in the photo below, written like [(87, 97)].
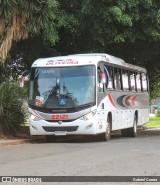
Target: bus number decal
[(60, 117)]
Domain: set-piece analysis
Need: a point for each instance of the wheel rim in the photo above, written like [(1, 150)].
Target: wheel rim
[(135, 125)]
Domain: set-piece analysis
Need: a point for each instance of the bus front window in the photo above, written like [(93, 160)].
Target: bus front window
[(62, 87)]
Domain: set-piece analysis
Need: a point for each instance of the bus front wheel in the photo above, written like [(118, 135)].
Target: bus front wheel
[(107, 135)]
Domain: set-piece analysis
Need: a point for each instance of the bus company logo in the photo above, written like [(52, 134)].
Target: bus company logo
[(60, 122), (127, 101), (61, 62), (130, 100)]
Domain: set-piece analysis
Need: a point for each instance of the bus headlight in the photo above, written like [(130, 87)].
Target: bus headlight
[(34, 117), (88, 116)]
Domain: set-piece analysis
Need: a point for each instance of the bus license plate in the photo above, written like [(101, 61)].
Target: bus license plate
[(60, 133)]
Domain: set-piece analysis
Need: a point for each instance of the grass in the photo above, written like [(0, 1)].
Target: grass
[(24, 124), (153, 122)]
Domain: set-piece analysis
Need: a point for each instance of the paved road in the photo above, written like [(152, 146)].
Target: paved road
[(120, 157)]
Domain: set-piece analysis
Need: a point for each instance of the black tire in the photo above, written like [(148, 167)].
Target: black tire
[(125, 132), (106, 136), (130, 132), (133, 130)]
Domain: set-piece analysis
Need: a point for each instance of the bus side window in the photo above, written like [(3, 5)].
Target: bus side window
[(98, 75), (100, 86), (138, 82), (117, 79), (98, 79), (109, 77), (144, 82), (125, 80), (132, 81)]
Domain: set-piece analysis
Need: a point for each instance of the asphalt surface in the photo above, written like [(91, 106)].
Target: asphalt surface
[(79, 156), (25, 138)]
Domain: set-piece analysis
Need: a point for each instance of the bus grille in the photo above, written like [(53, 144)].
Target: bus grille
[(52, 121), (67, 129)]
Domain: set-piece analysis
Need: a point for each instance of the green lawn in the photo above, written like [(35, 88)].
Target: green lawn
[(153, 121)]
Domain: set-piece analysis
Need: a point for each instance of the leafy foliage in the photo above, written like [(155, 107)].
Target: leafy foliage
[(19, 18), (11, 115), (158, 113), (128, 29), (145, 54), (4, 73)]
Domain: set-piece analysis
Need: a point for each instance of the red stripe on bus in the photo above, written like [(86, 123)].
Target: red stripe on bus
[(133, 100), (35, 112), (111, 100), (127, 101)]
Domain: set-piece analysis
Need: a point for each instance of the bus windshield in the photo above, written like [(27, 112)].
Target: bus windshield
[(62, 88)]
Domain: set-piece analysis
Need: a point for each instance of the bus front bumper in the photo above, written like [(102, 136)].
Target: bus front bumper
[(78, 127)]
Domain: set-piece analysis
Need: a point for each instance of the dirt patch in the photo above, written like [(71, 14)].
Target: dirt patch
[(22, 133)]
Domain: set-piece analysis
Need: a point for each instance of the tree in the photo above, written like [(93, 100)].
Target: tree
[(109, 21), (142, 53), (100, 23), (128, 29), (19, 18), (29, 50)]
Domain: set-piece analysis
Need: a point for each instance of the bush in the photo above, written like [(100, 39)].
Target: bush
[(11, 115), (158, 113)]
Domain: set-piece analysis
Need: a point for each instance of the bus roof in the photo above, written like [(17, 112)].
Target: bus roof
[(84, 59)]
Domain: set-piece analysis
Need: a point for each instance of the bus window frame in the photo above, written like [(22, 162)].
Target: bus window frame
[(100, 69), (119, 69), (132, 90), (111, 76), (146, 90), (138, 73), (126, 70)]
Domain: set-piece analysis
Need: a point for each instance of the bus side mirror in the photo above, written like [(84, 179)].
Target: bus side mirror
[(102, 78)]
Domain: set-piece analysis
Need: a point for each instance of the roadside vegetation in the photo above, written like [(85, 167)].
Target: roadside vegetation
[(38, 29), (153, 121), (12, 113)]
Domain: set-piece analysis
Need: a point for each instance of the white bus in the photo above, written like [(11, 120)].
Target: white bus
[(87, 94)]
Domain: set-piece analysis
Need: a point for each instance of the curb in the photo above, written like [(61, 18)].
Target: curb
[(6, 142), (153, 128), (149, 128), (14, 142)]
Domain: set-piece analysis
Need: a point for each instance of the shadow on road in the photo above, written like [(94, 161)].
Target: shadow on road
[(86, 139)]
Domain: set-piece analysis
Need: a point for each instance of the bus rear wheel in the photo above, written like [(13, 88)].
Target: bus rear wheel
[(107, 135), (130, 132)]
